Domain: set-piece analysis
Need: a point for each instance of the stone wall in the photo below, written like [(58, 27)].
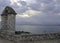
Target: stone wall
[(11, 22), (4, 22), (33, 38), (8, 20), (8, 23)]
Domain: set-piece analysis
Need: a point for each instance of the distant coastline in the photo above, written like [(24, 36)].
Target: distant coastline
[(41, 24)]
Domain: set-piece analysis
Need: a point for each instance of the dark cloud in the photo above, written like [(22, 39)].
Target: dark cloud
[(47, 1), (21, 10), (4, 3), (37, 6), (34, 7), (49, 10), (51, 6), (23, 3), (57, 9)]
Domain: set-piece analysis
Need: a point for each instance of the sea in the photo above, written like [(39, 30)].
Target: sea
[(37, 29)]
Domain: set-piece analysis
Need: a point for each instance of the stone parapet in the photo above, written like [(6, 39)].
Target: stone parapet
[(31, 37)]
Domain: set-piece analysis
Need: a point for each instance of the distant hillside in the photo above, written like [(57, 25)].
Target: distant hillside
[(38, 24), (0, 24)]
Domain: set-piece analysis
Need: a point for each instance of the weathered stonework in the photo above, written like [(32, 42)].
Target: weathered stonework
[(32, 38), (8, 20)]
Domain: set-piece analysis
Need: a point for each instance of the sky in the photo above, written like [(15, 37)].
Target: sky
[(34, 11)]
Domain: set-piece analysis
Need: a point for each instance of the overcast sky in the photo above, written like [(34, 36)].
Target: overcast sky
[(34, 11)]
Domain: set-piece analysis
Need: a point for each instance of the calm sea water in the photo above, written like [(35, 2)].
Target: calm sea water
[(38, 29)]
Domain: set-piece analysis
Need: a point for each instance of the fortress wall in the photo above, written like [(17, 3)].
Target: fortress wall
[(31, 38)]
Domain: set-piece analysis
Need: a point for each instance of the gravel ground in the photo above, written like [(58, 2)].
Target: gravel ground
[(4, 41)]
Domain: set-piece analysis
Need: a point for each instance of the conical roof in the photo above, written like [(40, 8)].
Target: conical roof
[(8, 10)]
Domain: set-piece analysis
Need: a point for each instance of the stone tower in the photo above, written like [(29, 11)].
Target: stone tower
[(8, 20)]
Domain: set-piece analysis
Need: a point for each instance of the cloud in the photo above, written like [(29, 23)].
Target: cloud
[(0, 19), (46, 12), (32, 10), (29, 1), (29, 13), (15, 1), (21, 6), (3, 3), (15, 4), (23, 3)]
